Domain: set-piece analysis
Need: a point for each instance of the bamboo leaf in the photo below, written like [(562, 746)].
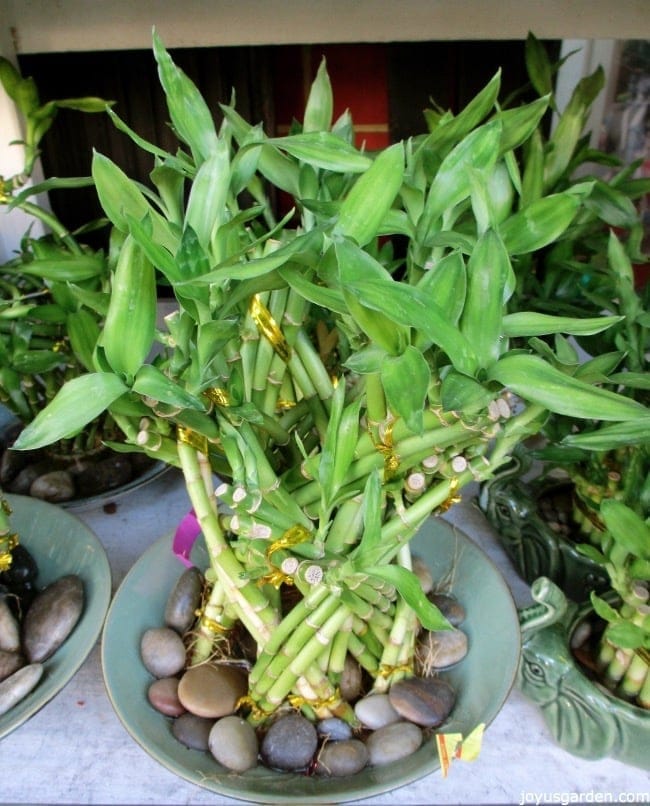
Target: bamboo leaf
[(410, 590), (320, 103), (518, 124), (83, 332), (628, 529), (406, 380), (446, 285), (151, 382), (65, 268), (323, 150), (608, 437), (529, 323), (190, 115), (627, 635), (533, 379), (539, 224), (206, 206), (74, 406), (540, 70), (604, 609)]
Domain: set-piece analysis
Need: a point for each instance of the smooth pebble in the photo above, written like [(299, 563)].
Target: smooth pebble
[(449, 606), (426, 701), (10, 662), (212, 691), (351, 681), (163, 696), (442, 648), (162, 651), (51, 617), (233, 743), (9, 629), (375, 711), (289, 743), (393, 742), (55, 486), (334, 729), (184, 600), (422, 572), (347, 757), (18, 685), (192, 730)]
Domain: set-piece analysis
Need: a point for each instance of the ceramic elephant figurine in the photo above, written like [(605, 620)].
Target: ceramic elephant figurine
[(511, 506), (584, 718)]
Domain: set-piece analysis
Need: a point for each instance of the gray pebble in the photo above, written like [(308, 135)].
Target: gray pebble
[(375, 711), (10, 662), (18, 685), (342, 758), (107, 474), (334, 729), (426, 701), (192, 730), (290, 743), (212, 691), (55, 486), (9, 629), (184, 600), (422, 572), (163, 696), (351, 682), (51, 617), (449, 606), (233, 743), (162, 651), (393, 742), (442, 648)]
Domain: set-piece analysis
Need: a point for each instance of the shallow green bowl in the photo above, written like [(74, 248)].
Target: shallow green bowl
[(482, 680), (60, 544)]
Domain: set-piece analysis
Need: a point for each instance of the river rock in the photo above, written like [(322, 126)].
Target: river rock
[(107, 474), (393, 742), (10, 662), (212, 690), (22, 482), (233, 743), (162, 651), (442, 648), (426, 701), (450, 607), (334, 729), (375, 711), (351, 682), (290, 743), (18, 685), (12, 462), (184, 600), (422, 572), (9, 629), (55, 486), (163, 696), (192, 730), (51, 617), (342, 758)]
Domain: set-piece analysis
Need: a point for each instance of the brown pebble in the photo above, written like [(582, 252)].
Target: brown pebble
[(212, 691), (163, 696)]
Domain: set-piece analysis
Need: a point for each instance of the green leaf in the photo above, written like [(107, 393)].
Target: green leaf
[(611, 205), (539, 224), (518, 124), (463, 394), (410, 590), (151, 382), (76, 404), (83, 331), (538, 65), (603, 609), (607, 437), (446, 284), (371, 197), (406, 380), (632, 380), (323, 150), (190, 115), (529, 323), (366, 361), (627, 528), (533, 379), (206, 206), (627, 635), (66, 267), (372, 511), (320, 103), (88, 104), (592, 553)]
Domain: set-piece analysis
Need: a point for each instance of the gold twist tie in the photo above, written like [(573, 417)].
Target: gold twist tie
[(218, 396), (268, 327), (248, 702), (275, 578), (6, 557), (192, 438), (385, 670), (293, 535), (59, 346), (452, 497), (210, 624), (391, 459), (297, 701), (285, 405)]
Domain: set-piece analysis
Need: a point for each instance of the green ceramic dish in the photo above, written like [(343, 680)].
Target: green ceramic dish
[(61, 544), (483, 679)]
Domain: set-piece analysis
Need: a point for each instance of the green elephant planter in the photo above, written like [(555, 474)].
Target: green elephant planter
[(536, 546), (585, 719)]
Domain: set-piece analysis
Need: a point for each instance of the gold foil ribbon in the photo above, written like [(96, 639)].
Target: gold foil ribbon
[(452, 498), (218, 396), (386, 671), (6, 558), (192, 438), (248, 702), (296, 701), (268, 327), (210, 624), (291, 537), (391, 459)]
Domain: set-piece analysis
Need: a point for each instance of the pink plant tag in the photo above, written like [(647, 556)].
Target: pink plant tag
[(185, 537)]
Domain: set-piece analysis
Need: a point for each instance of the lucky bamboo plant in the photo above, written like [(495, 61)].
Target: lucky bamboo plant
[(345, 370)]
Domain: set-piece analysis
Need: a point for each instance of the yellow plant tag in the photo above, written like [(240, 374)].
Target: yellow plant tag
[(452, 745)]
